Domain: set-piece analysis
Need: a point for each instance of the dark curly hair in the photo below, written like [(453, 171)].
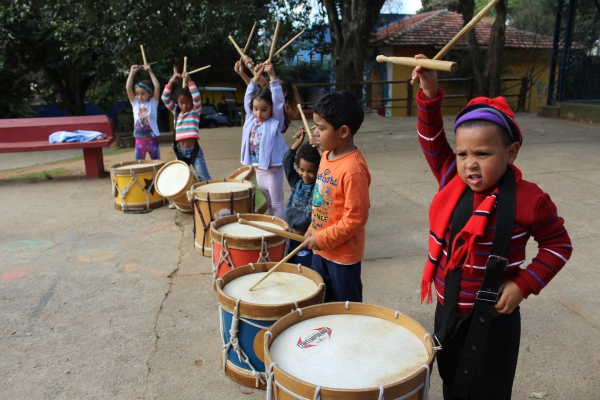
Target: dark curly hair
[(183, 91), (307, 153), (340, 108)]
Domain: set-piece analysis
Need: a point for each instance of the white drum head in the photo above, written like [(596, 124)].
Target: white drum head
[(241, 230), (136, 166), (243, 174), (222, 187), (173, 179), (278, 288), (346, 351)]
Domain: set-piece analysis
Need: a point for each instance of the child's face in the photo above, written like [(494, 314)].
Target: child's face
[(307, 171), (184, 103), (261, 110), (329, 138), (142, 95), (481, 160)]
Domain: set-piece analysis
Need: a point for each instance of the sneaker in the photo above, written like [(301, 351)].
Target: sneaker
[(171, 206)]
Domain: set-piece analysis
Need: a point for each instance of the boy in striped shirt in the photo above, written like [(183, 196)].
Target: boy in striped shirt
[(186, 145), (487, 143)]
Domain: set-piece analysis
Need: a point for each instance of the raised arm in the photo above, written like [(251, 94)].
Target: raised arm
[(166, 96), (155, 82), (277, 95), (430, 127), (129, 84)]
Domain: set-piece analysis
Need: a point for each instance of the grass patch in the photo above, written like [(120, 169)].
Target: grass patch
[(48, 174)]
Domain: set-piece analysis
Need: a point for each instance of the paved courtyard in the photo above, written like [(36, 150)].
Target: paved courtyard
[(98, 304)]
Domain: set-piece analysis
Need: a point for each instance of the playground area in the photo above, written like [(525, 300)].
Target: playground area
[(99, 304)]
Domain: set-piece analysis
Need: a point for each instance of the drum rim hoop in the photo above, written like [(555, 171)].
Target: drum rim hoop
[(235, 242), (184, 189), (151, 165), (355, 309), (256, 310), (223, 196)]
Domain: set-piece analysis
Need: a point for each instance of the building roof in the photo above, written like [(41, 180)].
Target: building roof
[(437, 28)]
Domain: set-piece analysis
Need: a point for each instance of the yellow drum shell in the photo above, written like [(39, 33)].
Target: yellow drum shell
[(133, 185)]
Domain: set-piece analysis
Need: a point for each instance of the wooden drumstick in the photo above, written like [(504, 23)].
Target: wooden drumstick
[(462, 33), (143, 54), (248, 41), (274, 43), (306, 126), (184, 84), (199, 69), (249, 65), (297, 249), (288, 43), (439, 65), (279, 232)]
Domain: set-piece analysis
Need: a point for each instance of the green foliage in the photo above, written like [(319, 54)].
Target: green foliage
[(14, 103), (73, 46)]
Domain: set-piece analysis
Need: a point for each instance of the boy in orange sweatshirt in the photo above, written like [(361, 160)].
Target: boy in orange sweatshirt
[(340, 199)]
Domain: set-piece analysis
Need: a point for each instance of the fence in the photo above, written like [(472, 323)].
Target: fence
[(469, 93)]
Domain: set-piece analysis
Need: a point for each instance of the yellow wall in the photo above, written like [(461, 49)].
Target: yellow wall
[(517, 61)]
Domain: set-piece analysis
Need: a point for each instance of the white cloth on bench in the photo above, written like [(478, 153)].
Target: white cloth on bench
[(75, 136)]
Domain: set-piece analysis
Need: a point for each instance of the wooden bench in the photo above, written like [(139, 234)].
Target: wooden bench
[(31, 134)]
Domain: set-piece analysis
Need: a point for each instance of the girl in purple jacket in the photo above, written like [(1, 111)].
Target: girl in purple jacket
[(262, 143)]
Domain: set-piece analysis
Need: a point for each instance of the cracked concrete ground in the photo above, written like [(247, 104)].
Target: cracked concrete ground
[(98, 304)]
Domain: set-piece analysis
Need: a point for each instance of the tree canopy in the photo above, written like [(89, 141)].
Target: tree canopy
[(66, 47)]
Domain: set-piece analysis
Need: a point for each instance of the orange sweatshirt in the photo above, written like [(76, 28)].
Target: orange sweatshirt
[(341, 208)]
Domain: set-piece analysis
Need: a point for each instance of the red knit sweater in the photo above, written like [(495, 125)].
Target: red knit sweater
[(536, 216)]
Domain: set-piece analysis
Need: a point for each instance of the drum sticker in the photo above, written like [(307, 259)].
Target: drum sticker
[(223, 213), (314, 337)]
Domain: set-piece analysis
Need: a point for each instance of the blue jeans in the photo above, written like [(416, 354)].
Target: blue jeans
[(342, 282), (198, 163)]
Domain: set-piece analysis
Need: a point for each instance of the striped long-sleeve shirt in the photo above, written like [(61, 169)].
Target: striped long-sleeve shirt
[(536, 216), (187, 123)]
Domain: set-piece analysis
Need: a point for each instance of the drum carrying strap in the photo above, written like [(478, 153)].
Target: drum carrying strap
[(481, 314), (180, 155)]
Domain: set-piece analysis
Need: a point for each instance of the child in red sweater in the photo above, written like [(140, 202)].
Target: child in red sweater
[(474, 363)]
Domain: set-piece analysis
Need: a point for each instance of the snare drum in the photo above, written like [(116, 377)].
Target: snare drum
[(234, 244), (133, 185), (245, 314), (173, 181), (247, 172), (215, 199), (348, 351)]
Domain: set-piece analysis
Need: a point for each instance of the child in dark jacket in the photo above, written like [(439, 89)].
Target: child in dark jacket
[(302, 181)]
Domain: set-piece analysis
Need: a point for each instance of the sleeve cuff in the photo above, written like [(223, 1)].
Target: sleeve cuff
[(523, 285)]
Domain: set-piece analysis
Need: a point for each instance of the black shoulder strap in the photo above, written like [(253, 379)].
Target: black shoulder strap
[(488, 293)]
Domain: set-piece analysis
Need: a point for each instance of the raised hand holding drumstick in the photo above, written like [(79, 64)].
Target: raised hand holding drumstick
[(428, 77)]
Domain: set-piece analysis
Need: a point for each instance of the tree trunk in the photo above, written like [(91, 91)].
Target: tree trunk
[(488, 79), (350, 35), (494, 58), (467, 9)]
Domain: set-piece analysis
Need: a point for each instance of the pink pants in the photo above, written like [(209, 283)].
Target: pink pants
[(270, 182)]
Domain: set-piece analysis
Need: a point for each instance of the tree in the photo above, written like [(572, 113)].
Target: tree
[(351, 23), (73, 46)]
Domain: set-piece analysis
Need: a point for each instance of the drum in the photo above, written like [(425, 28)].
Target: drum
[(348, 351), (247, 172), (234, 244), (215, 199), (133, 185), (245, 315), (173, 181)]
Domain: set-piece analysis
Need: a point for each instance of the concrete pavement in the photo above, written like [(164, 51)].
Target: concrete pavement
[(99, 304)]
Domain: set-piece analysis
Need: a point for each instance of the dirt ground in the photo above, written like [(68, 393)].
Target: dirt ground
[(98, 304)]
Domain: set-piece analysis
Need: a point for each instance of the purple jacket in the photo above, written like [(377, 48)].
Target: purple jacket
[(272, 145)]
